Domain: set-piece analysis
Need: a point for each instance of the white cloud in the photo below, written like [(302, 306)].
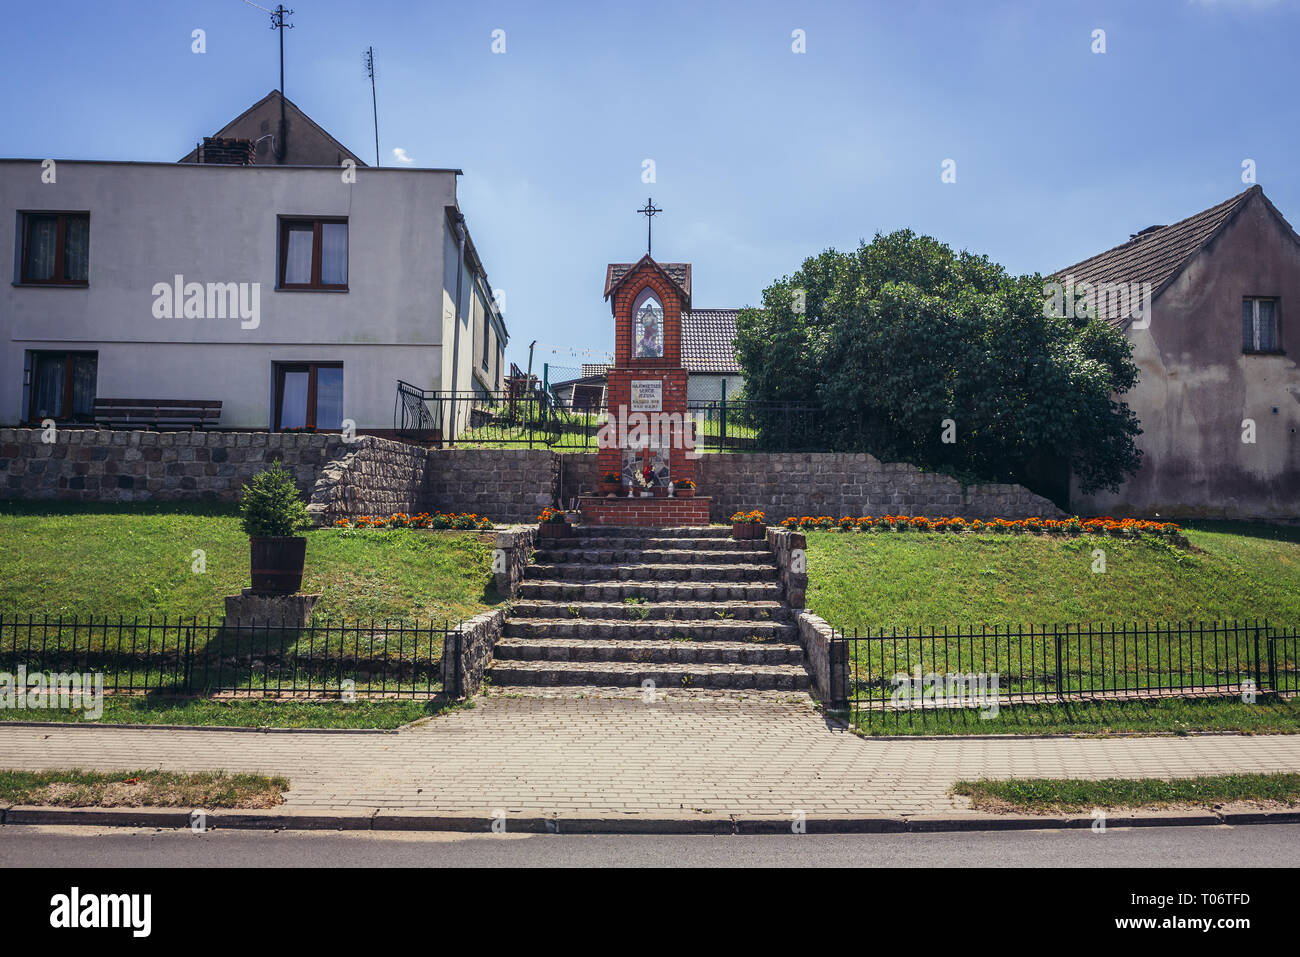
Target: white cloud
[(399, 154)]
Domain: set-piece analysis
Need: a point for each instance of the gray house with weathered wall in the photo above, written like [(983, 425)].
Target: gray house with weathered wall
[(1219, 394)]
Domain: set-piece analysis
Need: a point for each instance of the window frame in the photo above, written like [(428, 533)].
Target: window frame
[(60, 248), (1253, 349), (69, 400), (278, 369), (286, 224)]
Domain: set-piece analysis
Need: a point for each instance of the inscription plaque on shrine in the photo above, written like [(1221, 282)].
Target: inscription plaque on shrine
[(647, 395)]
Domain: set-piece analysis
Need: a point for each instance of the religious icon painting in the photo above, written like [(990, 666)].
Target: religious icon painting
[(647, 326)]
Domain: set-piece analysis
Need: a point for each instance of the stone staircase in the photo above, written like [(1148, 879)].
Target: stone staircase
[(685, 608)]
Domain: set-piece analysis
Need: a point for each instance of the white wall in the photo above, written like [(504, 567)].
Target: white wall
[(151, 221)]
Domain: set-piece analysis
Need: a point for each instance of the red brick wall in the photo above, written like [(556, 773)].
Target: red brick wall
[(658, 512), (669, 298)]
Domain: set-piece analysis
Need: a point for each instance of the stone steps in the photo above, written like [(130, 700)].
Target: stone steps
[(689, 610), (639, 531), (566, 650), (644, 556), (655, 611), (651, 591), (649, 630), (653, 541), (633, 674), (571, 571)]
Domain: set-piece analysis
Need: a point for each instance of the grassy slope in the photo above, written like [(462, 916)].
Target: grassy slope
[(893, 580), (136, 560)]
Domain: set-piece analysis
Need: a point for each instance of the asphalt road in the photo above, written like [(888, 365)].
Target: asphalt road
[(1248, 846)]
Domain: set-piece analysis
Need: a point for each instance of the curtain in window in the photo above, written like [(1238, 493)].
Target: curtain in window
[(297, 256), (76, 248), (334, 254), (329, 398), (1267, 325), (84, 374), (49, 386), (42, 235), (293, 403), (1248, 325)]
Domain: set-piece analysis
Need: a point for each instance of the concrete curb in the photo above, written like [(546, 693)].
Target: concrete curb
[(388, 819)]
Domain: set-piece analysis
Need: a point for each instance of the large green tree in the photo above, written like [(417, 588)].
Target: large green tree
[(889, 342)]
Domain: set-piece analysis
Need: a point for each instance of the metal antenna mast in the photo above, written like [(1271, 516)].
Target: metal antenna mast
[(277, 23), (370, 71)]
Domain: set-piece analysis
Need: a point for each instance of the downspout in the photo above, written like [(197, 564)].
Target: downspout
[(459, 225)]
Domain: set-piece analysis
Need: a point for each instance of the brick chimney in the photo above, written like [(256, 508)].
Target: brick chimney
[(225, 151)]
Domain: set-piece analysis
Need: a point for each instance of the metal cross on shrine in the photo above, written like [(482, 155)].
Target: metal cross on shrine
[(648, 211)]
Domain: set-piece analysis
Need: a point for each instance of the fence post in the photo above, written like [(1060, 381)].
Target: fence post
[(189, 660), (722, 434), (1259, 680), (1272, 664), (1060, 674)]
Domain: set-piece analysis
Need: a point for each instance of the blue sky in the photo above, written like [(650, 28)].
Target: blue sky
[(763, 156)]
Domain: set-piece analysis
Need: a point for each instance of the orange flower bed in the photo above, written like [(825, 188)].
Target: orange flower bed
[(438, 520), (1127, 527)]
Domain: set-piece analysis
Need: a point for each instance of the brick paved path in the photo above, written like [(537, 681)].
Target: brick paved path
[(611, 754)]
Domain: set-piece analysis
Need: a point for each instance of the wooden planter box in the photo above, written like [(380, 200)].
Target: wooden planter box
[(553, 530), (744, 531)]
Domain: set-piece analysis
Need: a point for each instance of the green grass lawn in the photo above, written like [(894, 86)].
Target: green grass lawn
[(385, 713), (921, 581), (895, 580), (138, 559), (1069, 795), (1268, 715)]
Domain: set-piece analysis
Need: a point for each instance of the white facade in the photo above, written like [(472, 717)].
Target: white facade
[(152, 222)]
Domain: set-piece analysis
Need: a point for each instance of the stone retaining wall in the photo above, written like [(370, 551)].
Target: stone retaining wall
[(91, 465), (378, 476), (467, 653), (826, 660), (830, 483), (789, 548), (371, 477), (506, 485)]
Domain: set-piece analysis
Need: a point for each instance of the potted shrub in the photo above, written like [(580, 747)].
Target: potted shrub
[(273, 515), (552, 523), (684, 488), (748, 525), (610, 483)]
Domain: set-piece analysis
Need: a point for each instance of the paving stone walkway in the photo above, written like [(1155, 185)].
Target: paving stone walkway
[(766, 754)]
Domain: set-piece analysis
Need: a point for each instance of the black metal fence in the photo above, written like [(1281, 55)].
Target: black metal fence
[(192, 656), (569, 416), (906, 670)]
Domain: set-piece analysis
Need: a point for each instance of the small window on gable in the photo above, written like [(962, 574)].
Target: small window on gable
[(1259, 328), (647, 326)]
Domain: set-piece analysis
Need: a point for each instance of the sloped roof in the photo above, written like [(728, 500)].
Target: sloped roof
[(678, 273), (590, 369), (318, 148), (1157, 255), (708, 340)]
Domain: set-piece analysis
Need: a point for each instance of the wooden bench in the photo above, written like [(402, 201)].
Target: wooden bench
[(157, 413)]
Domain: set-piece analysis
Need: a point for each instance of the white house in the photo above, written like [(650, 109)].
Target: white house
[(297, 295)]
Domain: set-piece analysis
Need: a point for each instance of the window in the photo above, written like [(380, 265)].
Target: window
[(314, 254), (647, 326), (56, 248), (1259, 332), (61, 385), (308, 395)]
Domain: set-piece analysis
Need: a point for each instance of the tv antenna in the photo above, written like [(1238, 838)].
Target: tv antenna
[(370, 72)]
